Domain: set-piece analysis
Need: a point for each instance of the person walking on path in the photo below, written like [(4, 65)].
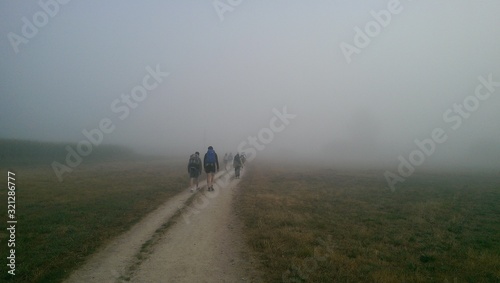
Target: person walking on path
[(211, 163), (194, 169), (237, 165)]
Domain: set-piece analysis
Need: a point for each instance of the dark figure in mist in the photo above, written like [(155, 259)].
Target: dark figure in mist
[(194, 169), (237, 165)]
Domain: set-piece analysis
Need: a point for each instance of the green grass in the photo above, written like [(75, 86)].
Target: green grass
[(321, 225), (60, 224)]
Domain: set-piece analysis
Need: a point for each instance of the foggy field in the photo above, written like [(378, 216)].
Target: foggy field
[(304, 222), (60, 224), (312, 224), (371, 128)]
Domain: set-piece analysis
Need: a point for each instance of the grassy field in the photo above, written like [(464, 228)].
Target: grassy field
[(322, 225), (60, 224), (305, 224)]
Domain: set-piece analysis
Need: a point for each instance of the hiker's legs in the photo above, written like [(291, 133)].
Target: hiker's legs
[(191, 183), (209, 180), (192, 175), (196, 177)]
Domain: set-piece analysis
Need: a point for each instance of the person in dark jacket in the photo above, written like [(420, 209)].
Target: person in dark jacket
[(237, 165), (211, 164), (194, 169)]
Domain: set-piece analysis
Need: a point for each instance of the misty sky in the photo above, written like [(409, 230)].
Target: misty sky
[(228, 70)]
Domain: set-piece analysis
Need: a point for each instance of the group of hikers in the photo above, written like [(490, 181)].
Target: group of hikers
[(211, 165)]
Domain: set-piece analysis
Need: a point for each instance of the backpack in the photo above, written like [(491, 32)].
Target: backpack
[(194, 161), (210, 156)]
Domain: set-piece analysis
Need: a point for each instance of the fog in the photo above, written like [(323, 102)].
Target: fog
[(335, 81)]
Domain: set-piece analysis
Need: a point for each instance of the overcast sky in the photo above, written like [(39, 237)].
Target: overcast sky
[(230, 63)]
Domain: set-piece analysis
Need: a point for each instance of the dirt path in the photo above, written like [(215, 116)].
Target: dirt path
[(200, 243)]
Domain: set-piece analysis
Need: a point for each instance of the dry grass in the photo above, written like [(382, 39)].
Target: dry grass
[(319, 225)]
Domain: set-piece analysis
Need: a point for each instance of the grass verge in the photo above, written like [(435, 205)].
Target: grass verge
[(320, 225)]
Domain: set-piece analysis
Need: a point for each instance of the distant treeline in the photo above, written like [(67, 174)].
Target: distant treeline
[(25, 152)]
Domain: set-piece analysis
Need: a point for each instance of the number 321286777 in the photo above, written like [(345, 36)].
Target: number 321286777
[(11, 200)]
